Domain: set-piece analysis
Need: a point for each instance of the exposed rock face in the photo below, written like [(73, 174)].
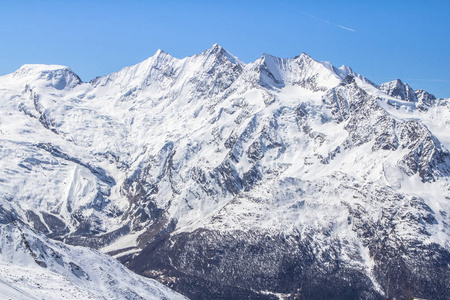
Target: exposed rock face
[(399, 90), (402, 91), (425, 97), (278, 178)]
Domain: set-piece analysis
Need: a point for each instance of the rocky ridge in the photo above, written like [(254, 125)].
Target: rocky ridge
[(277, 178)]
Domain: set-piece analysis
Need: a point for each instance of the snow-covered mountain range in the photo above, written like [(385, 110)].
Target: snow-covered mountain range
[(220, 179)]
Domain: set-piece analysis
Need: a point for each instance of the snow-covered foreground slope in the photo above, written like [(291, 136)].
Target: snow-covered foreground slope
[(233, 180), (34, 267)]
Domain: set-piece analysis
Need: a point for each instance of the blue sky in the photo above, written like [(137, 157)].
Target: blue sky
[(382, 40)]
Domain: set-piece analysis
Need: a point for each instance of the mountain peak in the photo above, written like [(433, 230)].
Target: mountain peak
[(58, 76), (160, 52), (425, 97), (301, 70), (216, 47), (188, 164), (29, 69), (399, 90), (302, 56), (398, 81), (159, 55), (221, 53), (344, 71)]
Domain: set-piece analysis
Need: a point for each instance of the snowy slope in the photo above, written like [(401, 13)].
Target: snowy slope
[(34, 267), (198, 167)]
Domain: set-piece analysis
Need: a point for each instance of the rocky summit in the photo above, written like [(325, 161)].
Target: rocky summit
[(276, 179)]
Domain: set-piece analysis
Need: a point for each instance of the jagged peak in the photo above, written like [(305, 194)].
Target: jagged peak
[(343, 71), (160, 52), (395, 83), (425, 97), (157, 57), (220, 52), (398, 81), (140, 69), (423, 92), (399, 90), (269, 57), (345, 68), (301, 70), (216, 47), (265, 57), (303, 55), (305, 58)]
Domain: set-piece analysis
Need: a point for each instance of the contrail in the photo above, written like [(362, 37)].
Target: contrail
[(343, 27), (326, 21)]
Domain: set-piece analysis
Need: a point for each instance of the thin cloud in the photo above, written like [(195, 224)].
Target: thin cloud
[(326, 21)]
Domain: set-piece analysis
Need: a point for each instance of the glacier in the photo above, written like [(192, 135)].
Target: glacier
[(223, 179)]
